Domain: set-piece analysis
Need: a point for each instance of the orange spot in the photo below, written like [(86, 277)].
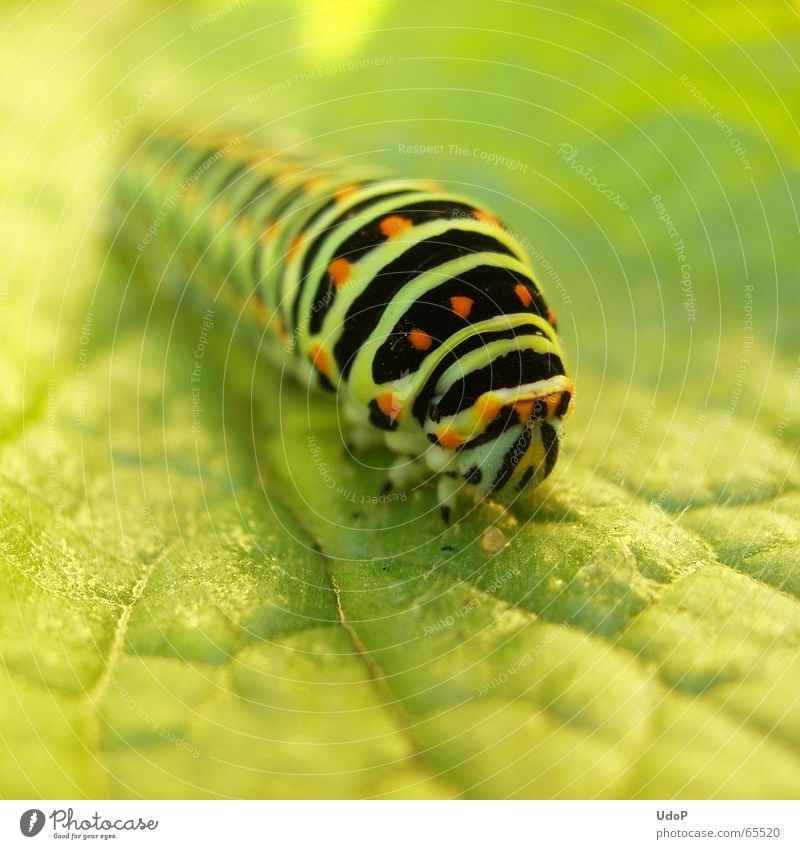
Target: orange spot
[(320, 359), (419, 339), (230, 143), (524, 410), (280, 329), (462, 305), (485, 216), (523, 294), (389, 404), (221, 213), (551, 402), (340, 270), (344, 193), (395, 225), (449, 438), (315, 183), (551, 318), (235, 299), (269, 232), (242, 226), (293, 248), (487, 407), (260, 309)]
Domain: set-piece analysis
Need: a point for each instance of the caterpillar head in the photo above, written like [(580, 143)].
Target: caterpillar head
[(508, 438)]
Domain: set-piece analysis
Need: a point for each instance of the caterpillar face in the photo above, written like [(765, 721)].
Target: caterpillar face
[(415, 306), (506, 439)]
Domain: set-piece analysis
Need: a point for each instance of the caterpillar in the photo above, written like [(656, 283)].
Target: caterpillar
[(414, 305)]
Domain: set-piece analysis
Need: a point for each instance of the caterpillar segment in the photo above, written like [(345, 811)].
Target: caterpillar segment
[(414, 305)]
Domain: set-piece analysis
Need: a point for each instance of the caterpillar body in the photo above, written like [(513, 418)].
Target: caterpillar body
[(414, 305)]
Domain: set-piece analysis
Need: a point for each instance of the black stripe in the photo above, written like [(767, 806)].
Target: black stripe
[(550, 442), (515, 368), (471, 343), (215, 177), (184, 158), (364, 240), (563, 404), (492, 290), (366, 311), (289, 198), (324, 382), (230, 179), (313, 249), (378, 418), (473, 475), (261, 188), (326, 204), (271, 214), (212, 182), (524, 480), (511, 459), (506, 418)]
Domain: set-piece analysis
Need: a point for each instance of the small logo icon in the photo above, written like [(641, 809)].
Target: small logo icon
[(31, 822)]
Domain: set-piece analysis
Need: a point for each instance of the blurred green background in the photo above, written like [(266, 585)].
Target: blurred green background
[(188, 610)]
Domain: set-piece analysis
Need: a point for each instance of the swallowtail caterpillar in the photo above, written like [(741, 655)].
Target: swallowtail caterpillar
[(415, 306)]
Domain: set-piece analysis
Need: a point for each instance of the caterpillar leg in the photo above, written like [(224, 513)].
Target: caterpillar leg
[(407, 471), (362, 437), (406, 442), (447, 491)]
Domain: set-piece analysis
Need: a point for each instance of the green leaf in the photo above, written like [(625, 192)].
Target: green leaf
[(201, 596)]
